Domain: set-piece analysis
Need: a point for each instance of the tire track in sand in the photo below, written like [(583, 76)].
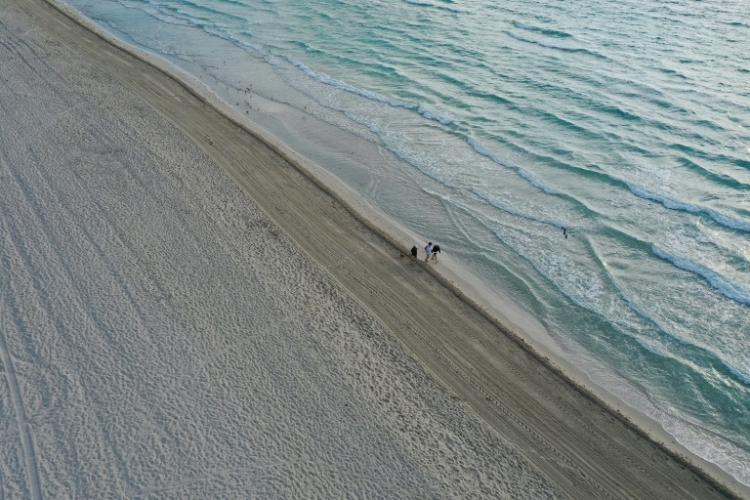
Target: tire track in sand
[(24, 428)]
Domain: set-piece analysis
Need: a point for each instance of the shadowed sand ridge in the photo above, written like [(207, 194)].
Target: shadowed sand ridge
[(167, 334)]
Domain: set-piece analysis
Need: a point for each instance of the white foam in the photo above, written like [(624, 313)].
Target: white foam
[(327, 80), (531, 178), (674, 204), (430, 115), (735, 291)]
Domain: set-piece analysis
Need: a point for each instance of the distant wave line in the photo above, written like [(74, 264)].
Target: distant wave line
[(422, 3), (441, 118), (552, 45), (210, 11), (673, 204), (531, 178), (544, 31), (735, 291), (327, 80), (507, 210)]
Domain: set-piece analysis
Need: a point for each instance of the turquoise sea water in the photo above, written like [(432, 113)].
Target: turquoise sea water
[(490, 126)]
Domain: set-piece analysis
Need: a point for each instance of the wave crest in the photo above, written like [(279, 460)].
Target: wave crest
[(735, 291)]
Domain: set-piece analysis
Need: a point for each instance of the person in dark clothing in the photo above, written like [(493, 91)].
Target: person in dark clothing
[(435, 252), (414, 251)]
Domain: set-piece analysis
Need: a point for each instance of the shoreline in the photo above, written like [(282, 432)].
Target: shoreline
[(467, 288)]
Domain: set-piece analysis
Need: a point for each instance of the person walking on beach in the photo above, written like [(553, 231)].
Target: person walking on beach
[(435, 252), (414, 252), (428, 251)]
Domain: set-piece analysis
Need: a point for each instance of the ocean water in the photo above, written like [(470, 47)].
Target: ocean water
[(491, 126)]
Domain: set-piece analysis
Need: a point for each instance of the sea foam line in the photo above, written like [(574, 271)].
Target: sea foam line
[(507, 210), (327, 80), (430, 115), (673, 204), (533, 180), (735, 291), (443, 119)]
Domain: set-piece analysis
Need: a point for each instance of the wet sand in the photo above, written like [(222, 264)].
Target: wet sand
[(186, 310)]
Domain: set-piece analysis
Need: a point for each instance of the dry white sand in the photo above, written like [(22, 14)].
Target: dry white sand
[(171, 331)]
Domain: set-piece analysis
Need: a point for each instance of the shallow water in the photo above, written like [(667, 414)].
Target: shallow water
[(490, 128)]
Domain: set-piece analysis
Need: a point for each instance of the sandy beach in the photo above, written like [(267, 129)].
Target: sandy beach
[(187, 311)]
